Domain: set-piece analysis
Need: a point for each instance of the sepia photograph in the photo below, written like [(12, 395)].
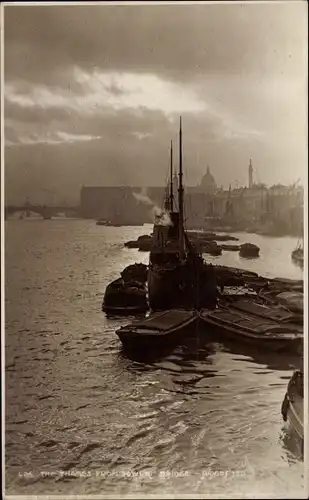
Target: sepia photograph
[(154, 204)]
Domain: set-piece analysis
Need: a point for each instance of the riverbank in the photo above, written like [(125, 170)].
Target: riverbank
[(252, 229)]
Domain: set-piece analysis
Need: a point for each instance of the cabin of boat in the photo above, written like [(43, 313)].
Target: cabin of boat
[(165, 242)]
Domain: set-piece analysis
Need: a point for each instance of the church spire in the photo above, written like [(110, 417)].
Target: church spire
[(250, 174)]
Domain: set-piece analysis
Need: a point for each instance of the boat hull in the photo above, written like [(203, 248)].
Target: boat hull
[(292, 408), (122, 297), (181, 287), (273, 342), (137, 336), (276, 313), (164, 290), (124, 311), (297, 259)]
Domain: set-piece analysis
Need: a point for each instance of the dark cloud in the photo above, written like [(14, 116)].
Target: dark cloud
[(116, 125), (119, 158), (245, 63), (179, 41), (35, 115)]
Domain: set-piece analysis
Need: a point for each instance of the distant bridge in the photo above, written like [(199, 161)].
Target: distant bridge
[(43, 210)]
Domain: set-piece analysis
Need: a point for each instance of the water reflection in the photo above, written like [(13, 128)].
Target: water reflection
[(276, 361), (292, 444), (143, 355)]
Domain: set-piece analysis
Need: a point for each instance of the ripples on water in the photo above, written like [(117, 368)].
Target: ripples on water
[(203, 419)]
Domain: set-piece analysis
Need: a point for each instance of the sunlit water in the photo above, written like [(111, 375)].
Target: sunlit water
[(83, 418)]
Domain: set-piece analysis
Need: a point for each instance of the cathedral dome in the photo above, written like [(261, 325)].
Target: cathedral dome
[(208, 182)]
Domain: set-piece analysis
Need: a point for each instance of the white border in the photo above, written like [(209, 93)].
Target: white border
[(306, 298), (159, 2), (305, 276)]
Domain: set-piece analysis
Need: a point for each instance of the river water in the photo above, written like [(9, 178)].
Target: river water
[(82, 418)]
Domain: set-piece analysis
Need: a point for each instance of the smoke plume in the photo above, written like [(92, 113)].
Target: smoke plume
[(143, 197), (161, 217)]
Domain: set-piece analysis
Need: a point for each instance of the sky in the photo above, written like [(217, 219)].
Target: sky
[(93, 95)]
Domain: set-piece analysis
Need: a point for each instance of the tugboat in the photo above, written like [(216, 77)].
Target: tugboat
[(178, 277), (249, 250)]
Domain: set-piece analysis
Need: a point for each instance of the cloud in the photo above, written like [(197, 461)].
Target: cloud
[(46, 137), (177, 41), (93, 93), (97, 90), (93, 113)]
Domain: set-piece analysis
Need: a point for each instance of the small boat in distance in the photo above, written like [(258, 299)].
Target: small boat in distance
[(298, 253), (159, 328), (292, 408), (103, 222), (249, 250), (119, 222)]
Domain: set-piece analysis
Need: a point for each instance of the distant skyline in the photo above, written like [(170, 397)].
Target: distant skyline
[(93, 95)]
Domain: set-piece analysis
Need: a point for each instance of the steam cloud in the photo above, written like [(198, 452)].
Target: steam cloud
[(143, 198), (161, 217)]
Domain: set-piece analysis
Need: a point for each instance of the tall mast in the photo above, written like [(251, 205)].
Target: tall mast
[(180, 196), (171, 179)]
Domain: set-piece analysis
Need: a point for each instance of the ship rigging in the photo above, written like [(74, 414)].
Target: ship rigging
[(177, 276)]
